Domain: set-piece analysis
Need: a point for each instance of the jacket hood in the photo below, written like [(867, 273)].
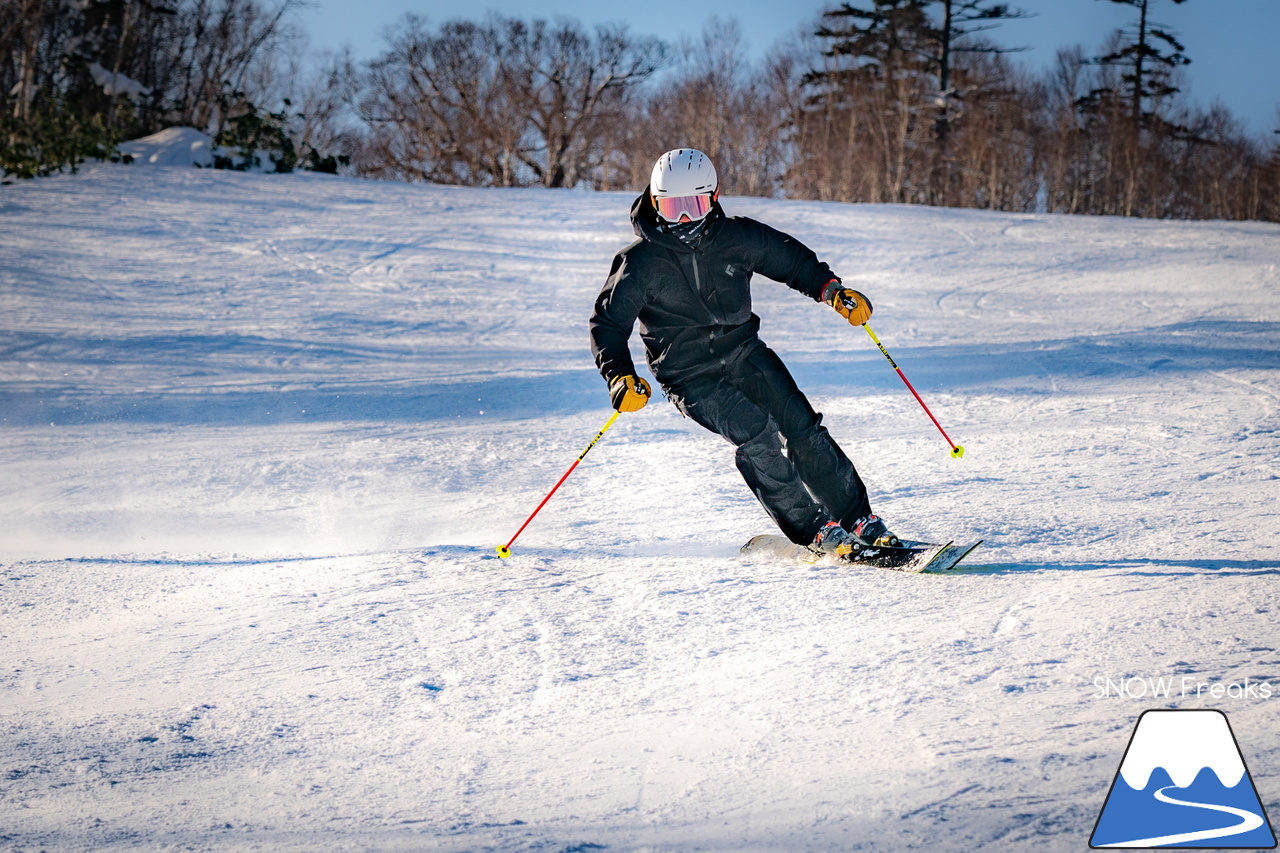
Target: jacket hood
[(644, 219)]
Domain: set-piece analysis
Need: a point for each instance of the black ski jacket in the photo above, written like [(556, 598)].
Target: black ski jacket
[(693, 303)]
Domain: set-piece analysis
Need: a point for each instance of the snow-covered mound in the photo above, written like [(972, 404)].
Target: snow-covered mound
[(173, 146), (261, 435)]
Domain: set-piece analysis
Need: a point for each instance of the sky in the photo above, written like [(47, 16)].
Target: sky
[(1231, 43)]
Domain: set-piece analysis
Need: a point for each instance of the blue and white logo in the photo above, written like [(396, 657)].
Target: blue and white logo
[(1183, 783)]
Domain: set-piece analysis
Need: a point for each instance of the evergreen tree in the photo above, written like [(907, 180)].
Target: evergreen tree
[(891, 67), (961, 19), (862, 120), (1148, 57)]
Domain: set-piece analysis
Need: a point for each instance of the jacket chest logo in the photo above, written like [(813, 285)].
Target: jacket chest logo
[(731, 270)]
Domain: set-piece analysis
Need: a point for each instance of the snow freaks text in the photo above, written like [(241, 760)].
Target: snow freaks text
[(1179, 687)]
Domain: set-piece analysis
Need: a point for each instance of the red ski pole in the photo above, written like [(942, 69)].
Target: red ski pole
[(504, 551), (956, 450)]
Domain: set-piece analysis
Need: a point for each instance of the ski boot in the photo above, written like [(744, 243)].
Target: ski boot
[(834, 541), (870, 530)]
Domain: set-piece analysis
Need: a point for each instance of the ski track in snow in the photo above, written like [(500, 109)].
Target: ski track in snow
[(261, 435)]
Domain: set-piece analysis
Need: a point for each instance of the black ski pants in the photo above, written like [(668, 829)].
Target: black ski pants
[(788, 459)]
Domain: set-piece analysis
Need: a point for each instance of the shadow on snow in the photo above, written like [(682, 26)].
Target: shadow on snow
[(250, 382), (1135, 567)]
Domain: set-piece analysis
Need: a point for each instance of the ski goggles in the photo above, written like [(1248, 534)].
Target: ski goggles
[(671, 208)]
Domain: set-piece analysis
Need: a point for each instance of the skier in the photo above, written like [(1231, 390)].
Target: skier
[(687, 280)]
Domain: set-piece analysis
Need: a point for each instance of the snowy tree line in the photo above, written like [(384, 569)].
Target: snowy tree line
[(79, 76), (909, 101)]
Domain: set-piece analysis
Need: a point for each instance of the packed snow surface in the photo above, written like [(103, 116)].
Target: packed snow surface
[(262, 433)]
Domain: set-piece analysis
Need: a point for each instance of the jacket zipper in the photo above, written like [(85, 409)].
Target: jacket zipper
[(697, 283)]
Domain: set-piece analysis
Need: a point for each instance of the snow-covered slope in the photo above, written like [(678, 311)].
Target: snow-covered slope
[(261, 434)]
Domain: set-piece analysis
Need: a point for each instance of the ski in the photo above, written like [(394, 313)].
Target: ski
[(911, 557), (952, 556)]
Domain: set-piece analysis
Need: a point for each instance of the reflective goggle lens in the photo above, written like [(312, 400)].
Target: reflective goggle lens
[(672, 208)]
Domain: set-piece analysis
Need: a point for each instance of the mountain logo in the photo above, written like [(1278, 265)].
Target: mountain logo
[(1183, 783)]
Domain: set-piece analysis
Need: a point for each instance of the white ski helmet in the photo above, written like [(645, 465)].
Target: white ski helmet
[(684, 173)]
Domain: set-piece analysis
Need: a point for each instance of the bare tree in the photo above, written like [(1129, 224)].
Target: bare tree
[(225, 47), (994, 156), (715, 101), (33, 44), (1063, 144), (108, 68), (504, 102)]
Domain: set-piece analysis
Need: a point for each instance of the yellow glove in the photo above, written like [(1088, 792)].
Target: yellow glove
[(629, 393), (851, 304)]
